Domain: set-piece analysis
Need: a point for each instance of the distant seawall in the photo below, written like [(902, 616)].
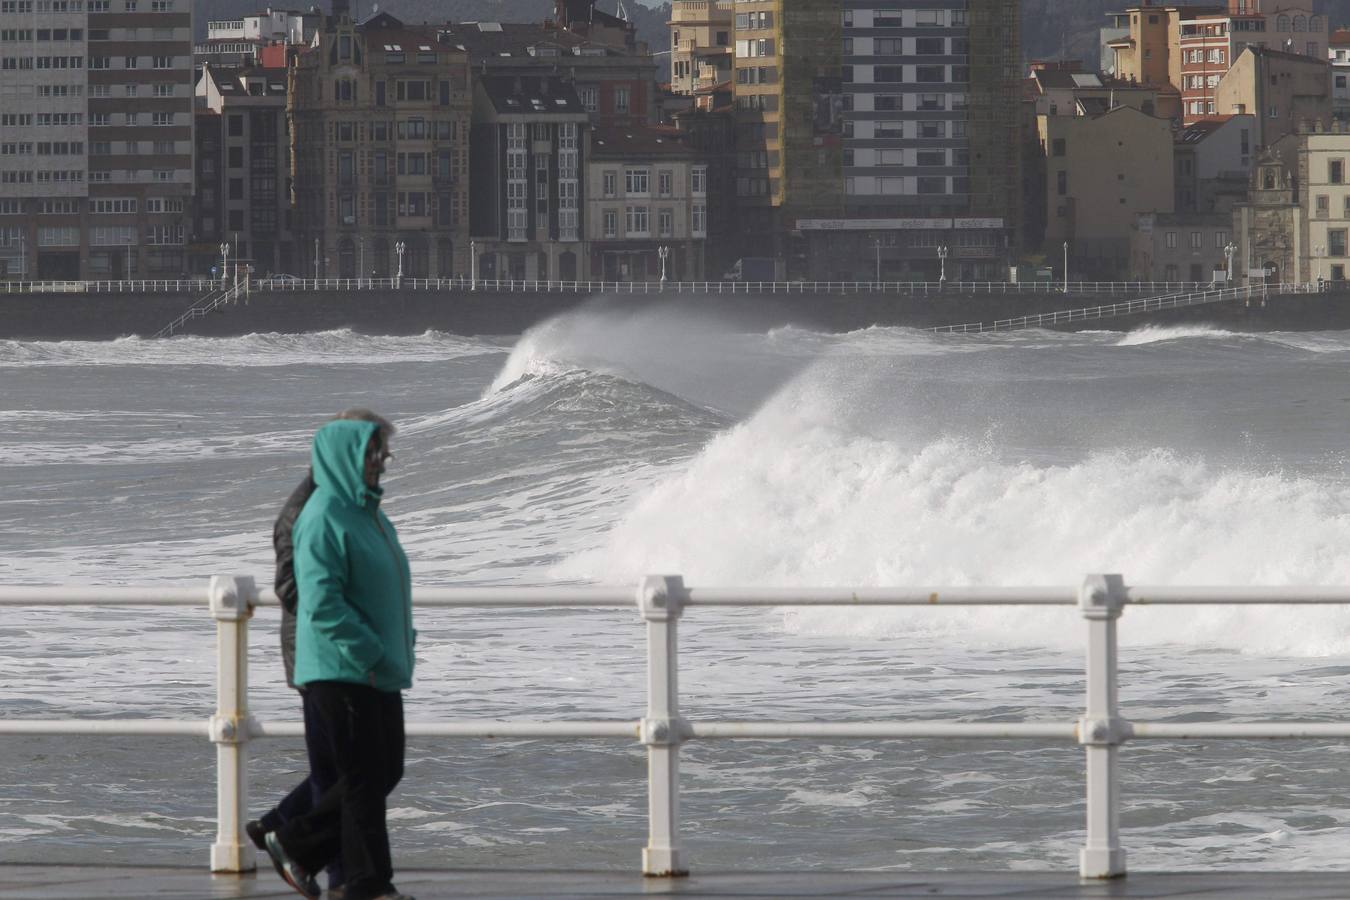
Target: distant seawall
[(103, 316)]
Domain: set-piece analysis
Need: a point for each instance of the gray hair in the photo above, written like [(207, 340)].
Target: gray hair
[(362, 414)]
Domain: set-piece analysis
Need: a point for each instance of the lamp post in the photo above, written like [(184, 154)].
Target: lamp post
[(942, 261), (662, 253), (473, 265), (316, 259), (399, 248), (361, 258), (1066, 267), (224, 263), (877, 243), (1229, 249), (1319, 250), (23, 257)]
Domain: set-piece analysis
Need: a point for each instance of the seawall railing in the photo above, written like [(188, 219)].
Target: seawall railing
[(661, 602), (1176, 300), (288, 283)]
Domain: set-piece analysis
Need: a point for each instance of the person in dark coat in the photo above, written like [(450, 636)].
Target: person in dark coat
[(322, 771)]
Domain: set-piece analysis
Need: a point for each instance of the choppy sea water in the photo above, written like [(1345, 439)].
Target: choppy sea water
[(604, 445)]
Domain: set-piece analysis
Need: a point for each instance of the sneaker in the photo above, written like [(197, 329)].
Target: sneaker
[(256, 834), (291, 871)]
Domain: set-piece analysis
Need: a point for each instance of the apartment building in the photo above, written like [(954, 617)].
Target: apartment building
[(647, 195), (243, 170), (701, 51), (1213, 163), (95, 137), (242, 41), (379, 118), (528, 147), (1102, 172), (1181, 247), (1282, 90), (1192, 46), (1338, 54), (615, 83)]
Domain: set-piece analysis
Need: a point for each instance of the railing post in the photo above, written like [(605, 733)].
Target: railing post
[(1101, 731), (660, 600), (231, 605)]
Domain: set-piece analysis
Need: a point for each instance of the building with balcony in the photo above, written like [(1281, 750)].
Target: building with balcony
[(380, 119), (646, 194), (701, 51), (529, 145), (243, 170), (95, 138)]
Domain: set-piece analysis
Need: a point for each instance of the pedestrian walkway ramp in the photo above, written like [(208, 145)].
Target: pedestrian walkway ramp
[(208, 304), (1179, 300)]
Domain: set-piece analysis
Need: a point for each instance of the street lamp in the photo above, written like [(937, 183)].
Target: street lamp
[(1066, 267), (316, 259), (473, 265), (361, 258), (662, 253), (942, 261), (1229, 249), (224, 263), (1319, 250), (877, 242), (399, 248)]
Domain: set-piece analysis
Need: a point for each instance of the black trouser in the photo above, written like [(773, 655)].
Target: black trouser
[(322, 775), (365, 730)]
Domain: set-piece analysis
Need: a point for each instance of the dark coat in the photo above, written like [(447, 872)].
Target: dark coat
[(284, 583)]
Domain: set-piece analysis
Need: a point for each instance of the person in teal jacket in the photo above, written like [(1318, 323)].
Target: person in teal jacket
[(354, 656)]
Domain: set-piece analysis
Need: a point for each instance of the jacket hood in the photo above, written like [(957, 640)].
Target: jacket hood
[(338, 460)]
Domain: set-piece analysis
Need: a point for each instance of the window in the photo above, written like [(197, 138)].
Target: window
[(1336, 242), (1336, 171), (1220, 239), (636, 181), (1171, 240), (636, 221), (665, 223), (888, 74), (1323, 205), (1058, 147), (1062, 183), (590, 98), (1197, 240), (699, 181), (621, 99), (664, 180), (699, 220), (611, 221)]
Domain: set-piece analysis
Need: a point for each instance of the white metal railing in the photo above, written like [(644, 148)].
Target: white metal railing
[(1129, 307), (661, 601), (134, 286), (910, 288)]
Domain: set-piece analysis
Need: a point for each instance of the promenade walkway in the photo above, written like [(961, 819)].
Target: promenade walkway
[(26, 882)]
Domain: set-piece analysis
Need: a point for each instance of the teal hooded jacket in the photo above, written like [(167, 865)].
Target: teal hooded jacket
[(354, 616)]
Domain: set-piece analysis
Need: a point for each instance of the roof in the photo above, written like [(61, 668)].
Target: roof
[(531, 95), (1281, 54), (1340, 36), (647, 141), (1200, 129), (229, 80), (523, 40), (1094, 106)]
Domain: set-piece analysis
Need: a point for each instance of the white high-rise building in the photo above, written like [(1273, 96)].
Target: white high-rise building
[(95, 138)]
